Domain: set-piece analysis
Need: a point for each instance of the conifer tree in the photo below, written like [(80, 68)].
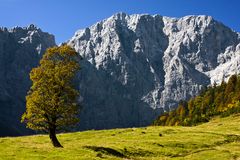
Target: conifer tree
[(222, 100), (51, 103)]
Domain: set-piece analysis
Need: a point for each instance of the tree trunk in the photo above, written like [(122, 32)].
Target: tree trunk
[(53, 137)]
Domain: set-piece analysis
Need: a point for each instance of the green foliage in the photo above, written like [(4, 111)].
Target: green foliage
[(222, 100), (51, 103)]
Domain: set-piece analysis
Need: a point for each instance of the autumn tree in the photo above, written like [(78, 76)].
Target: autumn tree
[(51, 103), (222, 100)]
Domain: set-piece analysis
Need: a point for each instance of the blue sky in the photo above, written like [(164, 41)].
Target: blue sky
[(63, 17)]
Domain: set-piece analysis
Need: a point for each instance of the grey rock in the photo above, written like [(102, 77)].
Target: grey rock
[(20, 51), (135, 67)]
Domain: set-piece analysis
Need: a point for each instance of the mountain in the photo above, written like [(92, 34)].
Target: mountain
[(135, 67), (222, 100), (20, 51)]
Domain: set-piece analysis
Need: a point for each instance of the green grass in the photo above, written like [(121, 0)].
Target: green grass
[(218, 139)]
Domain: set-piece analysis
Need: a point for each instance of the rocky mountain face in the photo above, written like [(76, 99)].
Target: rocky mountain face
[(135, 67), (20, 51)]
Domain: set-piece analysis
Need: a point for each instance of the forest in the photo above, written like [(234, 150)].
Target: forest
[(222, 100)]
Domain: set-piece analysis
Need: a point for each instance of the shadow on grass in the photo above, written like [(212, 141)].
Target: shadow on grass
[(192, 148), (106, 150), (124, 153)]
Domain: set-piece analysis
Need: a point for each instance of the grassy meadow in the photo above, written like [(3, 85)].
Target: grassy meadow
[(216, 140)]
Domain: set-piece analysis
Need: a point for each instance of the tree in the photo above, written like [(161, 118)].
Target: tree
[(51, 103), (230, 87)]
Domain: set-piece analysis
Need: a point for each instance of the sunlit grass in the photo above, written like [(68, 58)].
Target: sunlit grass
[(218, 139)]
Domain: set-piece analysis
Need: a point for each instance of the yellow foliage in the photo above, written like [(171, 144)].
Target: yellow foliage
[(52, 99)]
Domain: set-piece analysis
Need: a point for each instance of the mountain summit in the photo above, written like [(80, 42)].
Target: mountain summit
[(137, 66), (20, 50), (133, 67)]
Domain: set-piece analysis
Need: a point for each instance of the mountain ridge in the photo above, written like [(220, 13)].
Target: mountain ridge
[(20, 50), (152, 62), (134, 67)]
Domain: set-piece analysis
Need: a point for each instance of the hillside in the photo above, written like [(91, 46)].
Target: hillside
[(221, 100), (218, 139)]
